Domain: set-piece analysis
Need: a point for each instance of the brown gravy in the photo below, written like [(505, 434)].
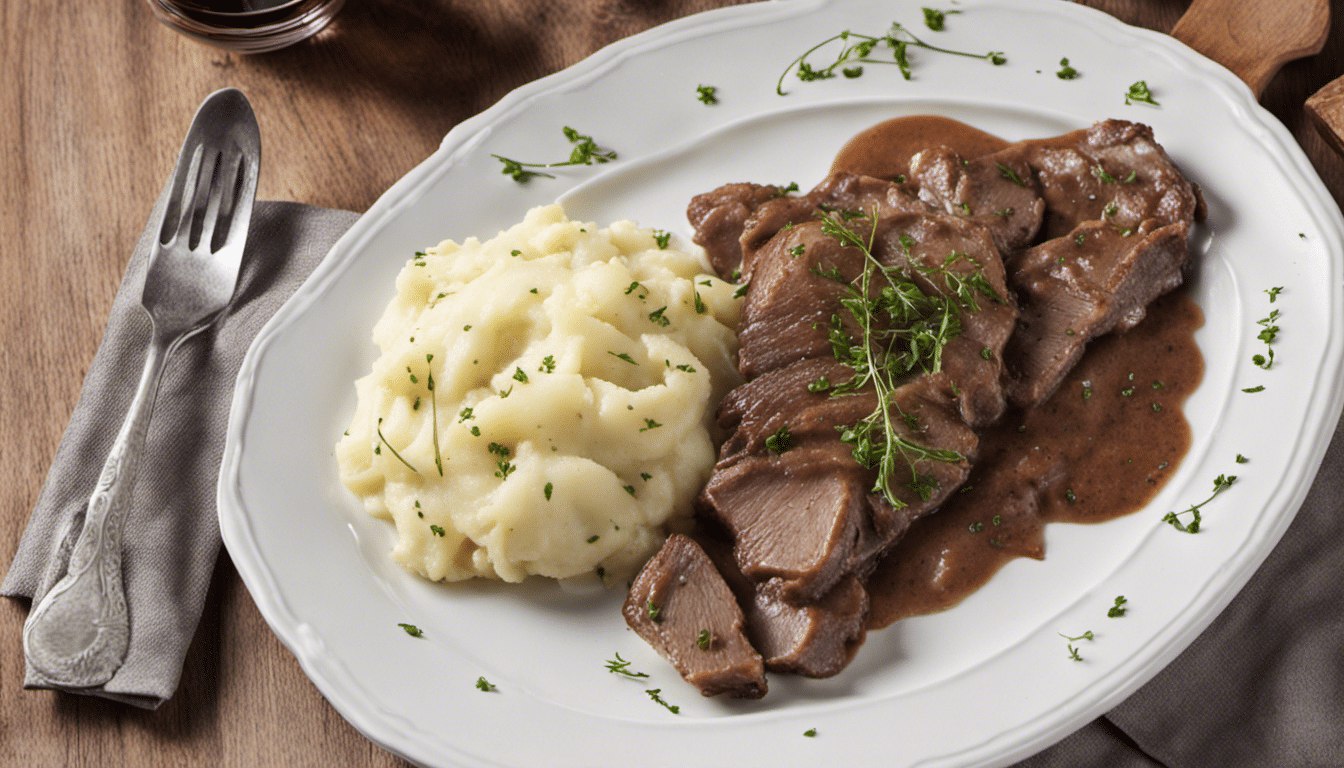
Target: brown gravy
[(1101, 447)]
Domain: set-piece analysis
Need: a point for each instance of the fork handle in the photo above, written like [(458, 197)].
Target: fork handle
[(78, 634)]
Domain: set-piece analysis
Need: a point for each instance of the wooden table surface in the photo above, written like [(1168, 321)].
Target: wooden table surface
[(96, 98)]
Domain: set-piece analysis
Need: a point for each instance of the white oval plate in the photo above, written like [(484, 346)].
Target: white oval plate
[(986, 683)]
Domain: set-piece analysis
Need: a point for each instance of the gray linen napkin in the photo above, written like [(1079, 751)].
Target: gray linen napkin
[(172, 532), (1263, 686)]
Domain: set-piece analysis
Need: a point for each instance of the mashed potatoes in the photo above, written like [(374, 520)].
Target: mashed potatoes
[(543, 403)]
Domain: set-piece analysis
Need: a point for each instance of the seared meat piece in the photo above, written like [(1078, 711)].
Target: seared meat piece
[(1071, 294), (719, 216), (800, 516), (817, 640), (781, 399), (838, 192), (682, 607), (1114, 162), (794, 302), (1119, 217), (997, 192), (808, 516)]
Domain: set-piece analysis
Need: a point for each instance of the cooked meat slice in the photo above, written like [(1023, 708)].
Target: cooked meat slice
[(838, 192), (818, 639), (810, 515), (1113, 170), (681, 606), (784, 399), (1071, 293), (934, 422), (997, 192), (793, 310), (719, 216), (800, 516), (789, 308)]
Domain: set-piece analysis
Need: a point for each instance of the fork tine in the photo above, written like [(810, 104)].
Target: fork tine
[(221, 188), (200, 200), (179, 201)]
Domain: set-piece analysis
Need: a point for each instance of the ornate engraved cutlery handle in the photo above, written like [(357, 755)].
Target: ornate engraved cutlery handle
[(78, 634)]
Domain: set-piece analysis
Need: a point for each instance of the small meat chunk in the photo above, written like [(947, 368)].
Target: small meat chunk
[(997, 192), (719, 216), (682, 607)]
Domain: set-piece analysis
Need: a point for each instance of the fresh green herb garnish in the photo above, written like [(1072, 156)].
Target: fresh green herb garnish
[(1066, 72), (1138, 92), (503, 467), (656, 316), (485, 685), (546, 491), (1073, 653), (1085, 636), (935, 19), (1253, 390), (1271, 331), (547, 364), (1274, 292), (903, 331), (382, 439), (810, 733), (707, 94), (1241, 459), (1220, 484), (653, 694), (519, 375), (655, 612), (662, 239), (622, 667), (649, 424), (585, 152), (412, 630), (1011, 175), (437, 531), (1118, 610), (434, 411), (857, 48), (704, 640), (780, 441), (624, 356)]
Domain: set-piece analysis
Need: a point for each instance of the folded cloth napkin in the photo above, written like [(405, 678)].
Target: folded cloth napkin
[(1263, 686), (172, 532)]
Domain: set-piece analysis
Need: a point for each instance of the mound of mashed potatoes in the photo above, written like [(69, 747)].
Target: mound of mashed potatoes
[(543, 402)]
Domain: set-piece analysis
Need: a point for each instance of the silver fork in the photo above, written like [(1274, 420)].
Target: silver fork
[(78, 634)]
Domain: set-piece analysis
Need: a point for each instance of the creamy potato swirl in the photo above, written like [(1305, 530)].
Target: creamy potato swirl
[(543, 401)]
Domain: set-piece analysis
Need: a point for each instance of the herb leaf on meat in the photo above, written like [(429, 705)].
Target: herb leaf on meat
[(902, 333)]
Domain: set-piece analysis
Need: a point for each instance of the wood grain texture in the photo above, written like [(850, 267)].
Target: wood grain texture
[(95, 100), (1325, 109), (1255, 38)]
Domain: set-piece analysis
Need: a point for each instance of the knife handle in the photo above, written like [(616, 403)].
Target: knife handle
[(78, 633)]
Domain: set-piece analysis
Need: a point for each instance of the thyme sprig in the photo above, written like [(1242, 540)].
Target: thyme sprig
[(585, 152), (856, 50), (1220, 484), (902, 332)]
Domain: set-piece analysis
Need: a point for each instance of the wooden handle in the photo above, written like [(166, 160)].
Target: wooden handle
[(1254, 38)]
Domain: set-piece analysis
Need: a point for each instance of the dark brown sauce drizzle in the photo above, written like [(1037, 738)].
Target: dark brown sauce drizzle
[(1101, 447)]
